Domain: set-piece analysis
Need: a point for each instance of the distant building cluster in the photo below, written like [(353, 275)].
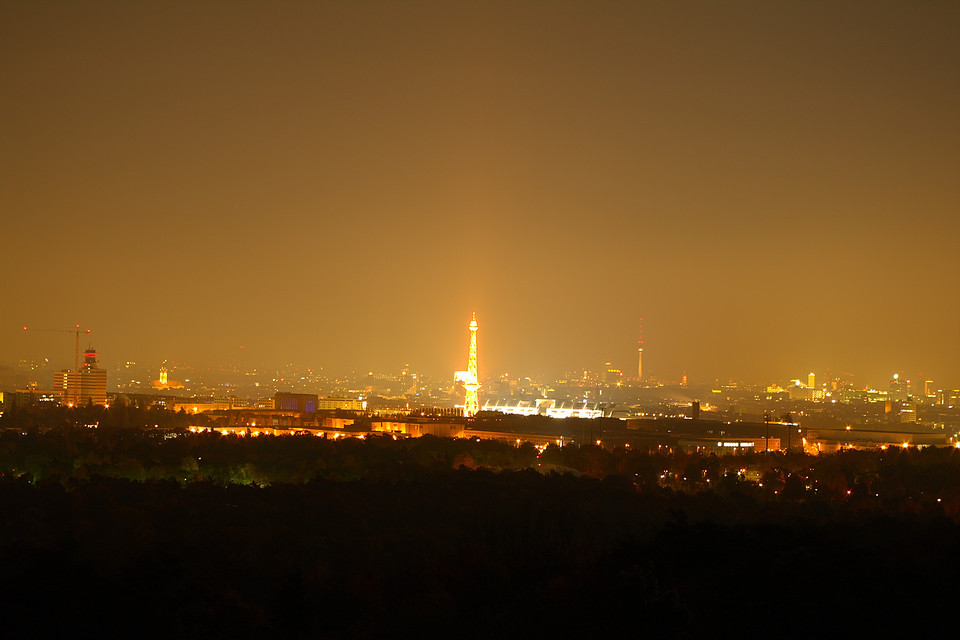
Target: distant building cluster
[(88, 385), (818, 413)]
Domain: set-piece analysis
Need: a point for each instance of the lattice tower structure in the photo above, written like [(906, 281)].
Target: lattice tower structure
[(471, 381)]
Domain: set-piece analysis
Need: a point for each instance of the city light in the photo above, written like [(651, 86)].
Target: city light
[(714, 246)]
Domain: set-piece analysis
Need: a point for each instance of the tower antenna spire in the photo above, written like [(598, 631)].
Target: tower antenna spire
[(640, 354)]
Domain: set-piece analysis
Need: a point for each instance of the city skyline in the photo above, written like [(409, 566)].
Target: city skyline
[(772, 188), (510, 318), (235, 366)]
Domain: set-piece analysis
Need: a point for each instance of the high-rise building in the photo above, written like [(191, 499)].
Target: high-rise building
[(89, 385), (93, 379), (898, 388), (67, 385), (610, 376)]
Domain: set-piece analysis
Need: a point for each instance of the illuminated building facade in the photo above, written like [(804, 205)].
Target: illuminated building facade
[(93, 379), (299, 402), (547, 407), (610, 376), (66, 383), (333, 403), (469, 378), (89, 385), (163, 382)]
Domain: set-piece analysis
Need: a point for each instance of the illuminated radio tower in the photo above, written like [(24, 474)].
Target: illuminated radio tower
[(469, 378), (640, 354)]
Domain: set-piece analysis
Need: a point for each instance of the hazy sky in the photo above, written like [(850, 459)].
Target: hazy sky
[(773, 186)]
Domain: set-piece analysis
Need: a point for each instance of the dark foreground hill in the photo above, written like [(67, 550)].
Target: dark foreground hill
[(459, 553)]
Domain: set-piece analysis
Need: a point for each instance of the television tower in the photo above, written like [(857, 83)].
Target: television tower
[(469, 378), (640, 354)]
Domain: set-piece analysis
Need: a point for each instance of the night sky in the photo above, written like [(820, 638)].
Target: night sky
[(773, 187)]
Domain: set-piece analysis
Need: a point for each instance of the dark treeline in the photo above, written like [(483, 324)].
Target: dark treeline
[(129, 531), (122, 414), (896, 478), (151, 454)]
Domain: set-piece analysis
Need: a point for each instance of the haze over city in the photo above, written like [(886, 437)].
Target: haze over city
[(772, 187), (493, 319)]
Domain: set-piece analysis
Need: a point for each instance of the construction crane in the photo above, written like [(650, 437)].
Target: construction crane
[(76, 356)]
